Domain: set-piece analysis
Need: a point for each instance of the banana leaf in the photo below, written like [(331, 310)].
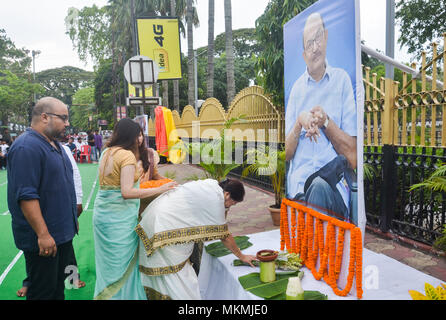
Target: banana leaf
[(275, 290), (251, 282), (217, 249)]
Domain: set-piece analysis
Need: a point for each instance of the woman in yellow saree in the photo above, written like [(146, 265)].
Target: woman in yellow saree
[(115, 214)]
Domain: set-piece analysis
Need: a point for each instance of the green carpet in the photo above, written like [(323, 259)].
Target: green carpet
[(83, 242)]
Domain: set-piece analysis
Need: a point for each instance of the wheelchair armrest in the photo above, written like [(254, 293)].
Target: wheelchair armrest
[(352, 179)]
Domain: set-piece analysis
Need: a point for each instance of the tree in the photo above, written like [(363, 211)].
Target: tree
[(62, 83), (12, 58), (82, 108), (210, 68), (244, 42), (229, 52), (421, 23), (16, 87), (269, 28), (89, 31), (16, 94)]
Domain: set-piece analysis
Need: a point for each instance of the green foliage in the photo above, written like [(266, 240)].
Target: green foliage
[(12, 58), (216, 161), (269, 28), (62, 83), (82, 108), (435, 183), (16, 95), (421, 23), (370, 172), (244, 41), (244, 71), (440, 243), (89, 30), (16, 87), (268, 162)]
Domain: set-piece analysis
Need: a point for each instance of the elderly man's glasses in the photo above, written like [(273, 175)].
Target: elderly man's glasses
[(62, 117), (317, 40)]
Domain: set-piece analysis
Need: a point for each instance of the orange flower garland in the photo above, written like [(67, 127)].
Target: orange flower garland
[(154, 183), (293, 230), (310, 244)]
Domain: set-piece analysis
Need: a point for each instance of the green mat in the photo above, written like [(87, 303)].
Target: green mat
[(83, 242)]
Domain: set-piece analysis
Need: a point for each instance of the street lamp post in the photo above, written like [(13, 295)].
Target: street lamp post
[(34, 54)]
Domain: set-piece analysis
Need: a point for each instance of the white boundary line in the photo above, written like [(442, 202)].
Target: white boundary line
[(2, 184), (5, 213), (13, 262), (91, 192), (17, 257)]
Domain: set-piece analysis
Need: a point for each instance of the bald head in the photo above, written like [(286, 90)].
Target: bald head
[(315, 45), (45, 105), (314, 22)]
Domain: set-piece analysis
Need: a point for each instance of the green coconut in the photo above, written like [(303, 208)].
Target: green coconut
[(294, 289)]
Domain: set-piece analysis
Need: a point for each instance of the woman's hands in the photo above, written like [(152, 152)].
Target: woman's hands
[(167, 186)]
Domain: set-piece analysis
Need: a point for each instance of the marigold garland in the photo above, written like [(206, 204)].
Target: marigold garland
[(154, 183), (310, 242), (293, 230)]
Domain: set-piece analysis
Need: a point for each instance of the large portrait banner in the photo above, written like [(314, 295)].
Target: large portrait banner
[(324, 111)]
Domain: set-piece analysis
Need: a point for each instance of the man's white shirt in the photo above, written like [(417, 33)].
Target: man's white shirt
[(334, 93)]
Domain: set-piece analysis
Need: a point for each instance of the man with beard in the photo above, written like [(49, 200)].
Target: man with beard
[(42, 200)]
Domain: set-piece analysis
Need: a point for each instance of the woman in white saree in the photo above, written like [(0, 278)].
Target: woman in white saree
[(195, 211)]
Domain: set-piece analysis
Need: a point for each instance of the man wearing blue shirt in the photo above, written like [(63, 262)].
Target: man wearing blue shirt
[(320, 124), (42, 200)]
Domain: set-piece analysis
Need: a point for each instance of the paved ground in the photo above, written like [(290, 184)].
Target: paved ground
[(252, 216)]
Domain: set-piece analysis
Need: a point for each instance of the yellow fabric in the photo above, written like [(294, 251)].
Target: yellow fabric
[(175, 156), (118, 158)]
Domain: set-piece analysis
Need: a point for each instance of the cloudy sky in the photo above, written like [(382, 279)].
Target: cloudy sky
[(39, 25)]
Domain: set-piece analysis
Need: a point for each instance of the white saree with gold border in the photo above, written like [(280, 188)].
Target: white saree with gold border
[(168, 228)]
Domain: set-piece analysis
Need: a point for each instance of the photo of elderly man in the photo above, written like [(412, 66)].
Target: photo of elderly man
[(320, 127)]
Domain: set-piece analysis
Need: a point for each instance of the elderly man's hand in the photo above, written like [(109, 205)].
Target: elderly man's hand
[(309, 123), (319, 116)]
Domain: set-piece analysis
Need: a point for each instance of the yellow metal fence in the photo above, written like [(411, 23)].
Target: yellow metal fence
[(411, 113)]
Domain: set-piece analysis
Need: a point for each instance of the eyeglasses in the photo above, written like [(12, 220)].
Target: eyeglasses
[(317, 40), (62, 117)]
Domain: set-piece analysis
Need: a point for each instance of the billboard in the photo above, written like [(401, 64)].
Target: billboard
[(324, 109), (324, 102), (159, 39)]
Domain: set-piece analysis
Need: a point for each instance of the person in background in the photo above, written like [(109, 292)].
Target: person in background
[(91, 143), (78, 187), (42, 200), (115, 214), (7, 136), (71, 146), (4, 147), (98, 144), (79, 143)]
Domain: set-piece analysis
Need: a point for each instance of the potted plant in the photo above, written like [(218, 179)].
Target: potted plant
[(269, 162), (219, 169)]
